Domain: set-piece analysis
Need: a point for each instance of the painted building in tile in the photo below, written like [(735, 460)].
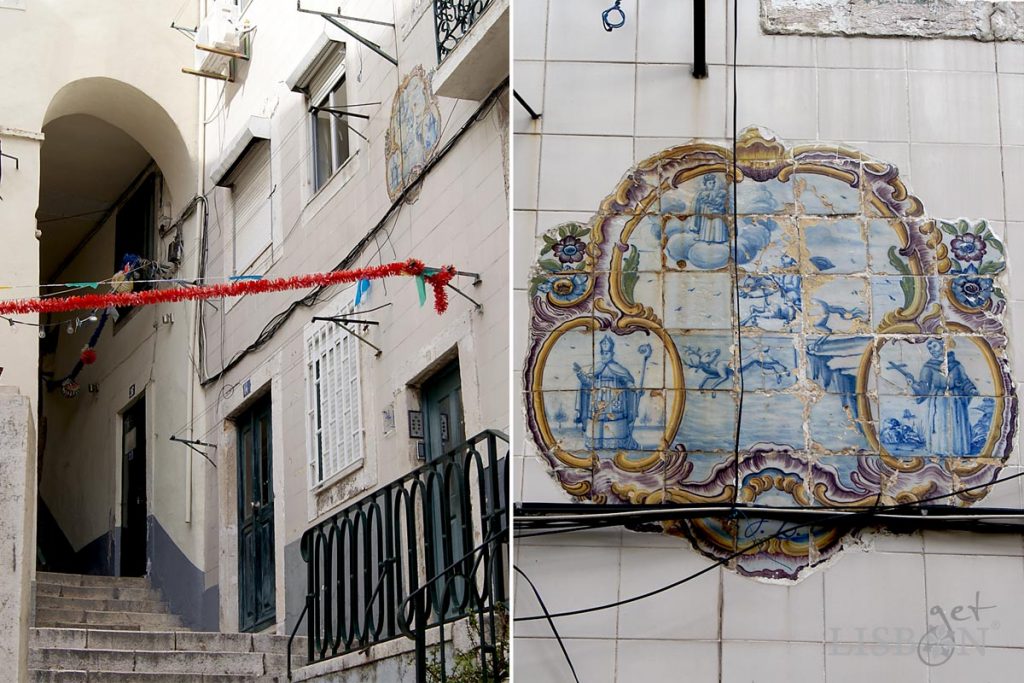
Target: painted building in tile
[(301, 143), (805, 314)]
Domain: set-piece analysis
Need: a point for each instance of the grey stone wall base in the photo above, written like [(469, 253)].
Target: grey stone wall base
[(17, 530), (976, 19)]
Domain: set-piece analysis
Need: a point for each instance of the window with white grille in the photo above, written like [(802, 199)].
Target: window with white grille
[(333, 404)]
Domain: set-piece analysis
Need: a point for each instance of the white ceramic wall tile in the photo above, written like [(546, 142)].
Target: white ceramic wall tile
[(951, 55), (792, 94), (520, 336), (862, 105), (1010, 58), (517, 479), (671, 102), (529, 25), (967, 582), (577, 172), (665, 33), (647, 147), (861, 53), (540, 660), (743, 662), (524, 242), (546, 220), (568, 578), (758, 48), (953, 107), (861, 663), (959, 180), (607, 539), (869, 596), (1013, 166), (575, 32), (967, 543), (1014, 241), (663, 660), (587, 98), (1008, 493), (885, 541), (526, 156), (1011, 104), (978, 663), (689, 611), (539, 485), (798, 610), (529, 83)]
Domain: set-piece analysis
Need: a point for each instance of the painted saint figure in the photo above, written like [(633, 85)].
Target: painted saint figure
[(947, 425), (709, 210), (606, 406)]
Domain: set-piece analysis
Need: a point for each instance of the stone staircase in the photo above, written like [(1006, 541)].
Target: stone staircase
[(102, 629)]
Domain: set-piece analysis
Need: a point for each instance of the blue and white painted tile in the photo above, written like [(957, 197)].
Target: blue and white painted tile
[(709, 420), (574, 348), (833, 246), (708, 359), (770, 197), (837, 304), (697, 242), (770, 302), (821, 195), (562, 409), (884, 245), (645, 245), (836, 425), (834, 362), (912, 366), (768, 244), (706, 194), (772, 418), (967, 353), (769, 361), (698, 301)]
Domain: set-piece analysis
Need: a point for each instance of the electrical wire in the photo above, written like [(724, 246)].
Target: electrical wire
[(551, 621), (735, 251), (756, 544)]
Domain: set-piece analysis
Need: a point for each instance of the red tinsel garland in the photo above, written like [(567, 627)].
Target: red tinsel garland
[(437, 280)]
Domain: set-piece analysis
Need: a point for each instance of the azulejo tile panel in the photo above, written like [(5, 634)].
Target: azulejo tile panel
[(818, 342), (414, 130)]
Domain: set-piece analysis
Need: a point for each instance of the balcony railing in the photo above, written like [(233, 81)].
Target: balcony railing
[(452, 21), (427, 550)]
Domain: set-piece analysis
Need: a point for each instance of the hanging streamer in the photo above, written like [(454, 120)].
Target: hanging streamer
[(438, 279)]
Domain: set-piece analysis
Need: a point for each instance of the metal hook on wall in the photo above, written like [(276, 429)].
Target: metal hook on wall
[(613, 17)]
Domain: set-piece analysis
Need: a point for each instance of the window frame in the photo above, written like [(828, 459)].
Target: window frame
[(338, 129)]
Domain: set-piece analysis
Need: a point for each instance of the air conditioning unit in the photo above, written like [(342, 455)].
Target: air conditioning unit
[(221, 30)]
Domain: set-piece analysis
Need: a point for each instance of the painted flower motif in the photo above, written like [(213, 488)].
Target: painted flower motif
[(968, 247), (569, 249), (972, 292), (567, 288)]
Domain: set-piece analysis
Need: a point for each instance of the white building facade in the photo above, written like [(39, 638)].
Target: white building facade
[(295, 146)]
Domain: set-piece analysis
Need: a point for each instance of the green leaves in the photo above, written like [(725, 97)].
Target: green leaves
[(907, 285), (629, 273), (898, 263)]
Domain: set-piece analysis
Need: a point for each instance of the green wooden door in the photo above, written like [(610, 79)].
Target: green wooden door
[(445, 429), (256, 580)]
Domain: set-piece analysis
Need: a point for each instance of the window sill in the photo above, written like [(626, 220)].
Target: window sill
[(345, 173), (337, 477)]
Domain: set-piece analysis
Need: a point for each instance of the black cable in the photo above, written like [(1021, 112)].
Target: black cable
[(746, 549), (735, 260), (311, 299), (551, 622)]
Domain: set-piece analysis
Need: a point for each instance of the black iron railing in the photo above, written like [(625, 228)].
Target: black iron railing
[(452, 20), (428, 549)]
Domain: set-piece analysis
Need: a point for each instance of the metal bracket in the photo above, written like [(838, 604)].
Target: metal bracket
[(529, 110), (330, 18), (341, 321), (192, 444), (186, 31), (700, 60), (339, 112)]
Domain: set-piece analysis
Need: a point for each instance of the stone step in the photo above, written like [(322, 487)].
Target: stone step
[(148, 621), (52, 602), (40, 676), (190, 641), (90, 580), (250, 664), (96, 592), (105, 627)]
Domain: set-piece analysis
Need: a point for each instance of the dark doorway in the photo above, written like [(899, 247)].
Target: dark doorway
[(134, 507), (256, 588), (445, 429)]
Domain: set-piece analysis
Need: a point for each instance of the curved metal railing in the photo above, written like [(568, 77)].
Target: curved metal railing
[(424, 551)]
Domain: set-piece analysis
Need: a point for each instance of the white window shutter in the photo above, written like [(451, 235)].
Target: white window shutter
[(250, 194)]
